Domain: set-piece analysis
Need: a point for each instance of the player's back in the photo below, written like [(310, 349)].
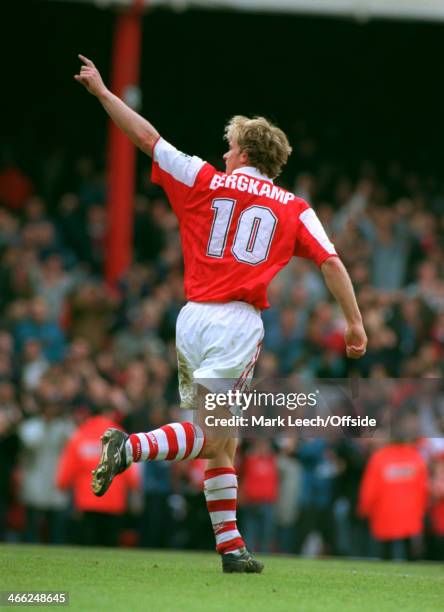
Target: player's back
[(237, 230)]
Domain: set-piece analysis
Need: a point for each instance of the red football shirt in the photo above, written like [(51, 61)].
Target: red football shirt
[(237, 230)]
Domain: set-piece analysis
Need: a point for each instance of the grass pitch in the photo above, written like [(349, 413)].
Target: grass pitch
[(132, 580)]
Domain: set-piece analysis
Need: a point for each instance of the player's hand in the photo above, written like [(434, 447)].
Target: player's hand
[(355, 341), (90, 77)]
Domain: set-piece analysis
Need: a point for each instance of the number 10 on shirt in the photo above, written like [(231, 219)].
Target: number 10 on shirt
[(254, 232)]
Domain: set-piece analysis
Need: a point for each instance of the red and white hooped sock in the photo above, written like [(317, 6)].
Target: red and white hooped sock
[(173, 442), (220, 489)]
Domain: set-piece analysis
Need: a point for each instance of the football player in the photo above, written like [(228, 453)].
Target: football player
[(237, 229)]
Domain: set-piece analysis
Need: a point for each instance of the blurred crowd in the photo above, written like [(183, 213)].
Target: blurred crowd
[(73, 349)]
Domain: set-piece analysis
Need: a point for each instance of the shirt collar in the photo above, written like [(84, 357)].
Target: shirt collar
[(250, 171)]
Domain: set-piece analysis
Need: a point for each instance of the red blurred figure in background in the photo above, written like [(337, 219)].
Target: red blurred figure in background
[(15, 186), (259, 493), (99, 518), (393, 493)]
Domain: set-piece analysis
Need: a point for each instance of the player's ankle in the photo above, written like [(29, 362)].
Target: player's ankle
[(237, 552), (128, 453)]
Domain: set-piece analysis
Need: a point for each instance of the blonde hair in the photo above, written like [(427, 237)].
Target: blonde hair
[(265, 144)]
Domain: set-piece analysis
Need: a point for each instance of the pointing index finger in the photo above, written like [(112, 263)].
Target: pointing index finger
[(85, 60)]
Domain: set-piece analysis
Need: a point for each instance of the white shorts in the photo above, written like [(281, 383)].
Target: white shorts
[(217, 347)]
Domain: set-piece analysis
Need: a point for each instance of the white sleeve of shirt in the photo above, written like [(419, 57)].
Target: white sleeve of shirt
[(312, 224), (180, 166)]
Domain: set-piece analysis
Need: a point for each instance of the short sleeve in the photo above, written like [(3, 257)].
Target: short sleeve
[(175, 172), (312, 241)]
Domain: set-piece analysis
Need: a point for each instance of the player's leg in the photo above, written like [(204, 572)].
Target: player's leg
[(180, 441), (233, 343), (220, 488), (172, 442)]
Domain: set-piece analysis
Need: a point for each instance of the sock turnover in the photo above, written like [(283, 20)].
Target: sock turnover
[(173, 442)]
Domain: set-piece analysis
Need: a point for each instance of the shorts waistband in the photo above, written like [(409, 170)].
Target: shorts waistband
[(233, 304)]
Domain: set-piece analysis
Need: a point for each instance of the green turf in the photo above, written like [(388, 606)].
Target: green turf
[(127, 580)]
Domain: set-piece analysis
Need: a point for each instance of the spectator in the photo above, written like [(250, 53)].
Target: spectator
[(92, 309), (38, 326), (349, 533), (393, 494), (96, 231), (15, 186), (34, 364), (288, 503), (319, 470), (390, 244), (156, 519), (259, 494), (98, 519), (42, 438), (141, 337), (52, 283)]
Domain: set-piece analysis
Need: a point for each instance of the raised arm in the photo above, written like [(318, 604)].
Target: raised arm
[(138, 129), (339, 283)]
